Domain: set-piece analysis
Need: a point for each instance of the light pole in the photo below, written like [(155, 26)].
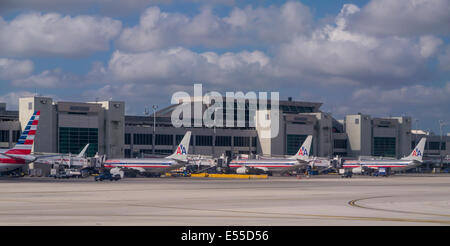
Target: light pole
[(441, 124), (154, 126)]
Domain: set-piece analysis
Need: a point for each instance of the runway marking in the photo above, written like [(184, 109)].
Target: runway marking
[(257, 215), (354, 204), (313, 215)]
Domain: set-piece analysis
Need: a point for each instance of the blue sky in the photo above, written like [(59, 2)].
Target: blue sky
[(379, 57)]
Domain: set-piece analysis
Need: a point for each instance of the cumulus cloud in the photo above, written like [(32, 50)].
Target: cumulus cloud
[(14, 69), (55, 78), (181, 66), (330, 54), (53, 34), (12, 99), (403, 17), (333, 54), (429, 45), (259, 26), (136, 96), (114, 7), (108, 7), (412, 95), (427, 102)]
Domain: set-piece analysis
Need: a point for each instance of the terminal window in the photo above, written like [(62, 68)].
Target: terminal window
[(384, 146), (72, 140), (4, 135), (141, 139), (163, 139), (340, 143), (127, 138), (127, 153), (241, 141), (223, 140), (254, 142), (290, 109), (435, 146), (16, 135), (203, 141), (293, 143)]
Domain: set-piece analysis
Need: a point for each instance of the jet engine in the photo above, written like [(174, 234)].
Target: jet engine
[(242, 170), (357, 170), (252, 170)]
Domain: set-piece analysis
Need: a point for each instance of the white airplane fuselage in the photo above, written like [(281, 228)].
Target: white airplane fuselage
[(275, 165), (394, 165), (149, 165)]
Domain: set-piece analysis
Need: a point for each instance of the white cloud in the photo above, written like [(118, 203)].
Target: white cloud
[(403, 17), (12, 99), (333, 54), (55, 78), (181, 66), (14, 69), (429, 45), (411, 95), (108, 7), (52, 34), (259, 26), (428, 103)]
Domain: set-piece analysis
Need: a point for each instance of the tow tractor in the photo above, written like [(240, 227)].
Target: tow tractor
[(107, 176)]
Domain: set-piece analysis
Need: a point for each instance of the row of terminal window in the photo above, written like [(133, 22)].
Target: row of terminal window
[(430, 145), (5, 136), (200, 140)]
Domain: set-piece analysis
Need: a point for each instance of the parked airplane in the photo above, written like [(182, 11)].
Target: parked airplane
[(153, 165), (64, 159), (275, 164), (411, 161), (20, 155)]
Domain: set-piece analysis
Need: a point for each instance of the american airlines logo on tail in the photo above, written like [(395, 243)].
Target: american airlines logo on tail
[(26, 140), (417, 152), (181, 150), (303, 151)]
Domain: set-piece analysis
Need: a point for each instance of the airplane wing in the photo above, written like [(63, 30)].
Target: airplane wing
[(49, 159)]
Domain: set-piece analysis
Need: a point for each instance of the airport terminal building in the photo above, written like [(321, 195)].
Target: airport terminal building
[(66, 127)]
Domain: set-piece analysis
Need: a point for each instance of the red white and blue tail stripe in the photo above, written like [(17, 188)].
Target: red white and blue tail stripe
[(26, 140)]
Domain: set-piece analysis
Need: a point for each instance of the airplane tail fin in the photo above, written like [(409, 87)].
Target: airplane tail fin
[(181, 152), (83, 151), (26, 140), (417, 153), (303, 152)]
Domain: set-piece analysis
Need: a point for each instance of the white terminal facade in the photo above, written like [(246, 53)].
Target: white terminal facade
[(66, 127)]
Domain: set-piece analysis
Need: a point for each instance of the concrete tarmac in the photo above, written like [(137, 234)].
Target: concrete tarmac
[(321, 200)]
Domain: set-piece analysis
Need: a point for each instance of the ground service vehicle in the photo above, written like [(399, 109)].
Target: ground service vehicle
[(107, 176)]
